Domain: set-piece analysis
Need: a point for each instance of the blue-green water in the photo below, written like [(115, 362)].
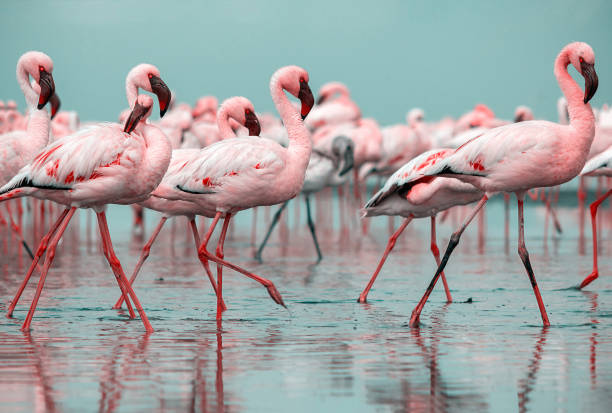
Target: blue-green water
[(326, 352)]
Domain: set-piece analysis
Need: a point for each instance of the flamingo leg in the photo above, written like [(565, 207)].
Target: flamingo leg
[(582, 195), (143, 256), (595, 273), (436, 253), (219, 252), (17, 229), (311, 226), (42, 247), (275, 219), (196, 239), (204, 254), (506, 218), (452, 243), (363, 297), (524, 254), (48, 260), (118, 271)]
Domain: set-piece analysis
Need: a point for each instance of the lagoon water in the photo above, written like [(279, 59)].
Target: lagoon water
[(486, 351)]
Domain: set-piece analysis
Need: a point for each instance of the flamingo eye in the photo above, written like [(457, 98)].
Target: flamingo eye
[(302, 80), (247, 111), (581, 60), (41, 68), (150, 75)]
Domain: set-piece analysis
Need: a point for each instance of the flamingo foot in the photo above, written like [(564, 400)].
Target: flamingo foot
[(589, 279), (275, 295)]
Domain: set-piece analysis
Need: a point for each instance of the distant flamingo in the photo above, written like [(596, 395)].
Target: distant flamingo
[(241, 173), (99, 165), (418, 199), (525, 155), (600, 165), (334, 106), (325, 169), (238, 108)]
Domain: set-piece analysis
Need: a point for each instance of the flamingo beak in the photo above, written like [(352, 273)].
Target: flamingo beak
[(591, 81), (252, 123), (321, 99), (163, 94), (349, 161), (55, 104), (305, 96), (47, 88), (136, 115), (519, 118)]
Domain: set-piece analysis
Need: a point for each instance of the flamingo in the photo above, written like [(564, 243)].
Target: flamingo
[(242, 173), (103, 164), (239, 108), (325, 168), (334, 106), (599, 165), (520, 156), (424, 198)]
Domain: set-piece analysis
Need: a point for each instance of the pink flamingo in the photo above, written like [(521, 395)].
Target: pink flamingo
[(334, 106), (525, 155), (237, 174), (418, 199), (238, 108), (122, 166), (599, 165), (205, 109)]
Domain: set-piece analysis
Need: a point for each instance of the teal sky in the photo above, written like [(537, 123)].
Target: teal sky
[(442, 56)]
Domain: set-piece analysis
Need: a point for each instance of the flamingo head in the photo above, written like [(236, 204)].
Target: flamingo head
[(204, 106), (330, 89), (140, 112), (242, 111), (582, 57), (523, 113), (147, 77), (415, 116), (343, 149), (294, 80), (40, 67)]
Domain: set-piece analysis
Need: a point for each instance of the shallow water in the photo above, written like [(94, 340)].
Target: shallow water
[(326, 352)]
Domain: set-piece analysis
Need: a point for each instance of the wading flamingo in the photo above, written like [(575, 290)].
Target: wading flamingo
[(103, 164), (238, 108), (242, 173), (521, 156), (418, 199)]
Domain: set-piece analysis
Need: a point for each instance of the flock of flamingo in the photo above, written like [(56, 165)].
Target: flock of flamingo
[(215, 161)]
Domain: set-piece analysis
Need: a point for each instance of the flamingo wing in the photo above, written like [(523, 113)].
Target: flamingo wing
[(99, 151), (224, 162)]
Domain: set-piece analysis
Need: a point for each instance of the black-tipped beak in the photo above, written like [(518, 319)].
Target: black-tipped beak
[(252, 123), (321, 99), (519, 118), (47, 88), (349, 161), (305, 96), (55, 104), (163, 94), (135, 116), (590, 80)]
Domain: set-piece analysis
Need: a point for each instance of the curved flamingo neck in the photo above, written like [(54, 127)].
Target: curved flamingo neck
[(131, 90), (23, 78), (581, 114), (300, 144), (38, 128), (225, 130)]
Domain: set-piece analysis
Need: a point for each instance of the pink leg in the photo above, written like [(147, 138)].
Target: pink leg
[(196, 239), (48, 260), (506, 217), (581, 204), (204, 254), (522, 251), (436, 253), (220, 254), (116, 266), (143, 256), (363, 297), (42, 247), (454, 240), (593, 275)]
